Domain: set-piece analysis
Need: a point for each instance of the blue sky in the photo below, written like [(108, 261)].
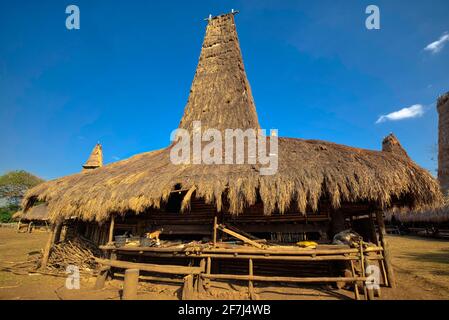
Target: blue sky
[(123, 79)]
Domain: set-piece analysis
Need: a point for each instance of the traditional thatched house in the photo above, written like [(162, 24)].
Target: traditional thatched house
[(432, 217), (319, 188)]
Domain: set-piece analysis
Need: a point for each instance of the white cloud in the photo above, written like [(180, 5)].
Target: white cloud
[(414, 111), (115, 158), (438, 45)]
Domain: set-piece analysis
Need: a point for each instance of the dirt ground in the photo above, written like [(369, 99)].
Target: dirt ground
[(421, 267)]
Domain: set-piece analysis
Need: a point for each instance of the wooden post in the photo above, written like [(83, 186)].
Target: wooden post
[(101, 277), (386, 252), (362, 267), (58, 230), (200, 282), (111, 230), (373, 229), (206, 282), (356, 286), (252, 295), (130, 285), (187, 289), (215, 231), (50, 241)]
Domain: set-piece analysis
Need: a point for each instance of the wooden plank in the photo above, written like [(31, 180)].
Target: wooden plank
[(158, 268)]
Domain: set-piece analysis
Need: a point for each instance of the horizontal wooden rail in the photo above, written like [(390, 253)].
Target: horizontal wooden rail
[(282, 279), (168, 269), (246, 250), (254, 257)]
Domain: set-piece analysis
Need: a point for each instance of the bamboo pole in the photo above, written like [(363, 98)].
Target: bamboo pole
[(386, 251)]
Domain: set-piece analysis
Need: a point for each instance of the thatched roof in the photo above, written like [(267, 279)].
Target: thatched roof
[(309, 170), (36, 213), (95, 159)]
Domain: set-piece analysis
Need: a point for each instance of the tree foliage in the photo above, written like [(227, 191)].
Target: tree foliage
[(15, 183)]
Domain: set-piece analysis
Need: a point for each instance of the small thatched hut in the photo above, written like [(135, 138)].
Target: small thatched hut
[(317, 191), (37, 216)]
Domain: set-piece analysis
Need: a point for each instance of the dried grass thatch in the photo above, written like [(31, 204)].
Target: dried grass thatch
[(308, 171), (221, 98), (35, 213)]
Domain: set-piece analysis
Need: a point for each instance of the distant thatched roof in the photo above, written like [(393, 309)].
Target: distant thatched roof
[(96, 158), (36, 213), (221, 98), (438, 214)]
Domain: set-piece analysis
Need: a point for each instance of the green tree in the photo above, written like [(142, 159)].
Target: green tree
[(13, 186)]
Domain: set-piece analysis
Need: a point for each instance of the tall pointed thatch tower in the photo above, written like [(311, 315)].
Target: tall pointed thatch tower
[(95, 160), (443, 142), (220, 96)]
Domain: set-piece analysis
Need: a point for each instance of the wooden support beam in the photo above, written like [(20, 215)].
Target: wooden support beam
[(199, 280), (214, 236), (386, 249), (111, 230), (356, 286), (49, 244), (251, 292), (58, 230), (362, 266), (130, 284), (240, 237)]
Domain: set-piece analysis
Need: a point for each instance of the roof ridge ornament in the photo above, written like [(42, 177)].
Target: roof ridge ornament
[(210, 17)]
